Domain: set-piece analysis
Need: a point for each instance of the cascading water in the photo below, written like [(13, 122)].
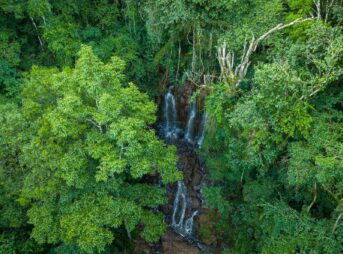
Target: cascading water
[(184, 227), (180, 223), (203, 124), (180, 205), (187, 199), (189, 223), (190, 122), (170, 129)]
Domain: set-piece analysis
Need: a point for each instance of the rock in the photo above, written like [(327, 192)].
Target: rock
[(196, 204), (167, 209), (183, 95), (174, 244), (197, 178)]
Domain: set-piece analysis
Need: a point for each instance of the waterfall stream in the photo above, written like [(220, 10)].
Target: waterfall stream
[(189, 223), (183, 213), (170, 115), (180, 205), (184, 227), (190, 122), (203, 126)]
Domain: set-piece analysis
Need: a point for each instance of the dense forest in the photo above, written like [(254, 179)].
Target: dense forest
[(86, 87)]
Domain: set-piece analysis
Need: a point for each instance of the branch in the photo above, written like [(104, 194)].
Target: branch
[(208, 79), (319, 85), (314, 198), (35, 26), (95, 124), (178, 62), (242, 175), (44, 21), (281, 27), (127, 229), (328, 5), (317, 4), (336, 223), (226, 60)]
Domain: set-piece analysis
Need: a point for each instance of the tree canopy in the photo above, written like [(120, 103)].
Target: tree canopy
[(80, 144), (81, 85)]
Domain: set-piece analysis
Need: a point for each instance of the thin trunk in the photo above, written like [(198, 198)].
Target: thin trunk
[(336, 223), (127, 230), (178, 62), (35, 26), (314, 197)]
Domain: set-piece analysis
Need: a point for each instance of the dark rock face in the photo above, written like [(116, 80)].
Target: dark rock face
[(183, 96), (191, 166)]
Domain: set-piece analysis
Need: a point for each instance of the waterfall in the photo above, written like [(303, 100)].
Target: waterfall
[(202, 129), (179, 211), (170, 130), (189, 223), (182, 215), (190, 122), (180, 205)]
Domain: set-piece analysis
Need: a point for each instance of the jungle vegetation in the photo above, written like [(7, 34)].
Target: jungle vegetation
[(78, 82)]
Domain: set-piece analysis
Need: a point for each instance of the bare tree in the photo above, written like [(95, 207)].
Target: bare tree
[(317, 3), (226, 57), (322, 9)]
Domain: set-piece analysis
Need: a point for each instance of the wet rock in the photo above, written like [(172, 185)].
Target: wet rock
[(183, 96), (174, 244), (196, 204), (196, 178), (167, 209)]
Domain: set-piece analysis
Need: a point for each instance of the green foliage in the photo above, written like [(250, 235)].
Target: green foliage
[(88, 143), (274, 150), (295, 233), (38, 8), (187, 32), (318, 159), (9, 60), (77, 147), (63, 40), (216, 201)]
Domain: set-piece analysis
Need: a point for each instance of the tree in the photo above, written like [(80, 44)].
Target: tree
[(9, 60), (274, 145), (88, 147)]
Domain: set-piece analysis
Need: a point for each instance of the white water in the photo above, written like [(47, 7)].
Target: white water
[(190, 123), (182, 221), (180, 205), (170, 130), (189, 223), (179, 211), (203, 126)]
